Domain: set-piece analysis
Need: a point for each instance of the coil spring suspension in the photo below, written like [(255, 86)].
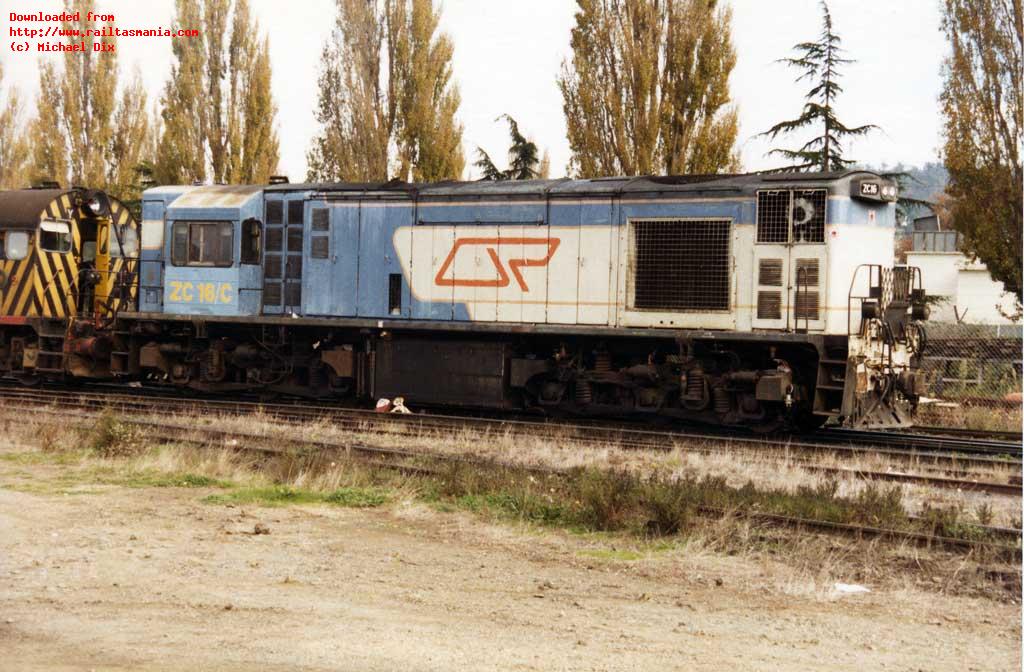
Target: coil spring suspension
[(722, 402), (602, 362), (584, 392)]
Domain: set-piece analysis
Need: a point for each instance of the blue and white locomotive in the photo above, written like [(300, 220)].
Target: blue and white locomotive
[(756, 300)]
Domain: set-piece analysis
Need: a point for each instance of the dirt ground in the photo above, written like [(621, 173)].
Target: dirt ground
[(103, 577)]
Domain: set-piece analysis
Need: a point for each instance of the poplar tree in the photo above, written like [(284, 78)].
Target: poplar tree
[(387, 105), (83, 132), (219, 112), (983, 107), (647, 89), (13, 148), (820, 63), (522, 157)]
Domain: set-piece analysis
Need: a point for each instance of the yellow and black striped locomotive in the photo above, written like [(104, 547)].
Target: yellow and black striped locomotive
[(68, 259)]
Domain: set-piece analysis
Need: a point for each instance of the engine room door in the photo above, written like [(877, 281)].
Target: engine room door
[(282, 258), (789, 260)]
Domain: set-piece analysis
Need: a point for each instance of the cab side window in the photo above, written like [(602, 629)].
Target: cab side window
[(252, 241), (55, 236), (202, 244)]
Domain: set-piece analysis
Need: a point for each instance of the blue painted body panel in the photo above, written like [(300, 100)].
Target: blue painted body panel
[(354, 278)]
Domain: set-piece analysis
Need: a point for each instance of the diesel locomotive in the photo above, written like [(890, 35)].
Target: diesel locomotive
[(68, 259), (762, 300)]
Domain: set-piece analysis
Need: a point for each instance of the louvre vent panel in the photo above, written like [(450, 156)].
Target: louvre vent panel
[(275, 239), (678, 265), (807, 306), (321, 219), (769, 305), (272, 266), (272, 293), (320, 247), (806, 273), (769, 273)]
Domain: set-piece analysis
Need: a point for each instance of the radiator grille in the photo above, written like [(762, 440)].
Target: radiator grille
[(680, 265), (769, 305), (769, 273)]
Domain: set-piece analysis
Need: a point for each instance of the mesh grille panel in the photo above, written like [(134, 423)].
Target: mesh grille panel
[(293, 294), (275, 212), (769, 305), (769, 272), (275, 238), (272, 266), (809, 216), (293, 267), (294, 240), (773, 216), (680, 265), (295, 212)]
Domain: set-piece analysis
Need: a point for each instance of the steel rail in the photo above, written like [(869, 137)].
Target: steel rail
[(170, 432)]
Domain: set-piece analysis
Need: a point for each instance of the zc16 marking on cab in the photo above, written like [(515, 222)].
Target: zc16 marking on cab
[(200, 292)]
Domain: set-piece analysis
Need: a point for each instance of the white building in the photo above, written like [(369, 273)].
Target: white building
[(971, 295)]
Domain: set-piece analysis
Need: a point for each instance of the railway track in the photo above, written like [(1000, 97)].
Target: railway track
[(1004, 542), (931, 468)]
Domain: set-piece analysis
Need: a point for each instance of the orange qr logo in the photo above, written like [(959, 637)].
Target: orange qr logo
[(536, 251)]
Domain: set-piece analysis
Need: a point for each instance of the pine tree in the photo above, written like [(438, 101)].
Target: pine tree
[(647, 90), (983, 106), (13, 148), (522, 157), (387, 105), (820, 62), (231, 135)]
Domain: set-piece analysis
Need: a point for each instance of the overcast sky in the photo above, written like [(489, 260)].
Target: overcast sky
[(508, 54)]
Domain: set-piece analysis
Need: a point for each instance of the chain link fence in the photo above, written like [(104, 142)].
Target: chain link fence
[(973, 374)]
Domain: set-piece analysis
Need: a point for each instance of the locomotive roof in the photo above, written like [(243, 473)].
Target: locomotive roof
[(721, 185), (21, 208)]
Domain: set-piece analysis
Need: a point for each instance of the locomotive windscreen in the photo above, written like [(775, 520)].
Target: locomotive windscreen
[(678, 265)]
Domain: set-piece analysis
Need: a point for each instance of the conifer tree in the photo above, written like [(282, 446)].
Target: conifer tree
[(387, 105), (647, 90), (820, 63), (522, 157)]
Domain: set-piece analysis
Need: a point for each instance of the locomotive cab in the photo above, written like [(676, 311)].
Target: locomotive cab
[(66, 269)]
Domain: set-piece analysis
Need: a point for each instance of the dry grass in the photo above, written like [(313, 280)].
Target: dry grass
[(989, 419), (623, 491)]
